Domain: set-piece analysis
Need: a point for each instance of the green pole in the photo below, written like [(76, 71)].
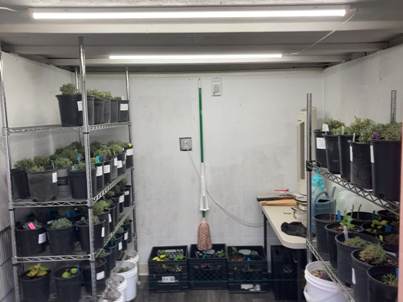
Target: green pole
[(201, 126)]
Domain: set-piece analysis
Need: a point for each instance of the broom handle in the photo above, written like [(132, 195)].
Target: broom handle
[(203, 201), (201, 126)]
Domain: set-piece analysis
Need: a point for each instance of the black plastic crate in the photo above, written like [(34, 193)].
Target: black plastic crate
[(162, 287), (208, 273), (248, 286), (284, 273), (251, 267)]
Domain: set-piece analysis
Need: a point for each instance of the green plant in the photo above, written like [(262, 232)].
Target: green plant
[(24, 164), (116, 98), (61, 224), (84, 220), (42, 161), (391, 131), (116, 148), (103, 151), (70, 272), (333, 124), (62, 163), (390, 279), (36, 169), (78, 167), (356, 242), (100, 207), (347, 221), (68, 89), (364, 128), (37, 270), (373, 254), (95, 93)]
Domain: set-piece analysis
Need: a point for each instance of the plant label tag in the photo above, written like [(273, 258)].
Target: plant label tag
[(320, 143), (80, 105), (351, 153), (120, 164), (115, 161), (371, 148), (107, 169), (42, 238), (103, 232), (353, 276), (325, 128), (247, 286), (129, 152), (121, 198), (124, 107), (99, 171), (31, 226), (101, 275), (110, 217), (54, 177), (120, 246), (127, 192), (168, 279), (126, 236)]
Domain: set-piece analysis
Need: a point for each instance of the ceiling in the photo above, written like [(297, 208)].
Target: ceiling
[(372, 25)]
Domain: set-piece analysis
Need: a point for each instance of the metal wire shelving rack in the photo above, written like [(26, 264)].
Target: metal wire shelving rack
[(85, 131)]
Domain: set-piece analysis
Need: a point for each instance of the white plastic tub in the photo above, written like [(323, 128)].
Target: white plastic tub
[(319, 290), (131, 278)]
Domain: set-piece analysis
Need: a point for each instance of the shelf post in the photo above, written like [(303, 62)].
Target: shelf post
[(308, 171), (393, 104), (5, 134)]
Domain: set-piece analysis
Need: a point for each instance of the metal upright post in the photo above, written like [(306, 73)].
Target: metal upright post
[(393, 104), (87, 145), (76, 78), (8, 177), (308, 171)]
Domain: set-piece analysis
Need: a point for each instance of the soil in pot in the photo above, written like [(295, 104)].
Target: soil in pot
[(332, 153), (361, 165), (128, 196), (386, 215), (78, 183), (30, 242), (63, 186), (84, 236), (360, 218), (68, 284), (344, 156), (19, 183), (379, 289), (114, 111), (61, 241), (321, 221), (123, 111), (100, 275), (107, 172), (129, 157), (99, 111), (35, 289), (43, 185), (320, 148), (385, 163), (344, 251), (107, 111), (71, 110)]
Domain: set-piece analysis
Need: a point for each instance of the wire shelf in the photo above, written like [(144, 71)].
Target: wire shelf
[(28, 203), (51, 258), (107, 126), (110, 186), (331, 272)]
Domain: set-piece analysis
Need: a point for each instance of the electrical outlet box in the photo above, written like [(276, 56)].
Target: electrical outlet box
[(216, 87), (185, 143)]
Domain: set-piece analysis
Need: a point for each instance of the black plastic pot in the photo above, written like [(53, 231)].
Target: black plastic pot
[(344, 271), (35, 289), (105, 219), (387, 215), (360, 218), (63, 186), (99, 110), (108, 268), (61, 242), (332, 153), (121, 165), (378, 291), (91, 110), (100, 177), (129, 157), (107, 111), (123, 111), (78, 183), (115, 215), (114, 168), (107, 172), (112, 248), (359, 277), (71, 110), (128, 229), (119, 243), (321, 221), (125, 239), (30, 242), (100, 275), (320, 148), (361, 165), (43, 185), (120, 201), (344, 156), (19, 183), (385, 163), (114, 111), (68, 290), (84, 236), (128, 196)]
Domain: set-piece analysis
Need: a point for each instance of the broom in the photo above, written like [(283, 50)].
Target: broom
[(203, 232)]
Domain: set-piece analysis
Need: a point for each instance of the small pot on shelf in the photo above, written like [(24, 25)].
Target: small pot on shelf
[(68, 284)]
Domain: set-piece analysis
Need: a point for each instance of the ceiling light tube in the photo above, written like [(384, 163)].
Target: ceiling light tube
[(161, 15), (198, 58)]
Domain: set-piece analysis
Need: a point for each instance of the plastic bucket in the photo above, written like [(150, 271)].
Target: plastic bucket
[(131, 278), (119, 283), (319, 290)]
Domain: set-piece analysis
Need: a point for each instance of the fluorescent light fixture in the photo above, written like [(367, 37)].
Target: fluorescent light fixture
[(197, 58), (202, 14)]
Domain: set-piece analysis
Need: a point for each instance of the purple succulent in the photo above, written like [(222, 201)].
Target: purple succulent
[(376, 136)]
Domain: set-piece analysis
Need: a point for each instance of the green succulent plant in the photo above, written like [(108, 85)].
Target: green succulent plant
[(333, 124), (78, 167), (62, 163), (37, 270), (116, 148), (42, 161), (24, 164), (61, 224), (391, 131), (70, 272), (36, 169), (100, 207), (364, 128), (390, 279), (373, 254), (356, 242), (116, 98), (84, 220), (68, 89)]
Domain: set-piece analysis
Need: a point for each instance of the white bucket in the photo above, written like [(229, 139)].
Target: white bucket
[(120, 299), (319, 290), (131, 278)]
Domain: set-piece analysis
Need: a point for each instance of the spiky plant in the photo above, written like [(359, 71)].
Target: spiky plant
[(68, 89), (390, 279), (373, 254), (61, 224), (356, 242)]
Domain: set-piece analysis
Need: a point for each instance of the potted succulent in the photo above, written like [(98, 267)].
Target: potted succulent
[(99, 106), (35, 283), (101, 209), (336, 129), (42, 180), (61, 236), (127, 226), (107, 98), (129, 154), (321, 220), (115, 109), (100, 275), (19, 179), (372, 255), (70, 106), (382, 284), (123, 111), (78, 180), (68, 284), (83, 233), (105, 154), (30, 238), (63, 164), (119, 152), (107, 256), (385, 162), (112, 249)]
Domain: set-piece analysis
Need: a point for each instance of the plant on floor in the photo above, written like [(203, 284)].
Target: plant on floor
[(390, 279), (373, 254), (61, 224), (36, 271), (68, 89), (70, 272), (356, 242)]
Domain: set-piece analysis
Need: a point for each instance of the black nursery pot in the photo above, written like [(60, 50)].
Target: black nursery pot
[(114, 168), (35, 289), (121, 163), (68, 290), (321, 221), (114, 111), (71, 110), (100, 275), (344, 156), (361, 165), (359, 277), (108, 268), (385, 164), (30, 242), (99, 111), (378, 291), (107, 172), (78, 183), (128, 196), (128, 229), (99, 177), (105, 219), (123, 111), (114, 214), (107, 111), (360, 218), (63, 186), (112, 248), (344, 264), (84, 236), (129, 157), (332, 153), (19, 183), (61, 242), (120, 201), (120, 248), (320, 148), (43, 185)]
